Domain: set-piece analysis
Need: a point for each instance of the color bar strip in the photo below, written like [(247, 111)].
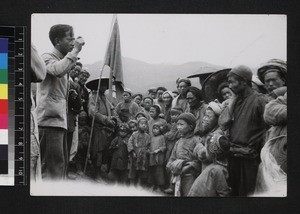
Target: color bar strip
[(3, 106)]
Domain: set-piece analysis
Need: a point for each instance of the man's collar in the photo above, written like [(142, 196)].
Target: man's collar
[(58, 53)]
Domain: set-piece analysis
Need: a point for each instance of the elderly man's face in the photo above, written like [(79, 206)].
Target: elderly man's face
[(273, 81), (210, 120), (236, 86)]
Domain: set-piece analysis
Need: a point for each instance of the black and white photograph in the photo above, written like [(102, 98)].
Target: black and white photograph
[(163, 105)]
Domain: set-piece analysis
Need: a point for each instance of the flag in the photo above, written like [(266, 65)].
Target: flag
[(113, 58)]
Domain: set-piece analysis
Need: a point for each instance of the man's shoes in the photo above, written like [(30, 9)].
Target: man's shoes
[(71, 176), (169, 191)]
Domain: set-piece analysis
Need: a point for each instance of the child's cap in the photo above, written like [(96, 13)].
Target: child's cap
[(140, 113), (189, 118), (141, 119), (176, 110), (218, 144), (157, 125), (132, 122)]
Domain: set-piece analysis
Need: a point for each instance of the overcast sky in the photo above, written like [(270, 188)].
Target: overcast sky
[(225, 40)]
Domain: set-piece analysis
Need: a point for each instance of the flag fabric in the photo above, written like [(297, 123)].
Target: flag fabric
[(113, 57)]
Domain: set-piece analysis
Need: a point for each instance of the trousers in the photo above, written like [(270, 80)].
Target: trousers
[(54, 152)]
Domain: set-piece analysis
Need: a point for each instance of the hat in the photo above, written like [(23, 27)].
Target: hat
[(152, 90), (177, 110), (128, 91), (242, 71), (148, 98), (218, 144), (157, 107), (196, 92), (142, 113), (216, 107), (137, 95), (210, 87), (189, 118), (168, 92), (132, 121), (141, 118), (275, 65), (157, 124), (93, 84), (185, 80), (161, 88)]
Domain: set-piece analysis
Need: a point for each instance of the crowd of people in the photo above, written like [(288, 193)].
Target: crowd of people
[(172, 142)]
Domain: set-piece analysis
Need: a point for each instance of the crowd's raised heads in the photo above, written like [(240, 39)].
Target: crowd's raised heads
[(273, 74), (152, 92), (137, 98)]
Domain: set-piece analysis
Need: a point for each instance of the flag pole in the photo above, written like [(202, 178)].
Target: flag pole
[(93, 121), (110, 82)]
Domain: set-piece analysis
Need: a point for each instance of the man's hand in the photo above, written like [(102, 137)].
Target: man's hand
[(79, 42)]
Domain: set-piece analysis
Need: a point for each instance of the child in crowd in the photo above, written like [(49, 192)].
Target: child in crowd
[(212, 182), (156, 159), (119, 161), (138, 149), (132, 126), (154, 113), (139, 115), (183, 164), (171, 138), (84, 131)]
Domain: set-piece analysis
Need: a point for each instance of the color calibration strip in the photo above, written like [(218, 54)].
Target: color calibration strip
[(15, 74), (3, 106)]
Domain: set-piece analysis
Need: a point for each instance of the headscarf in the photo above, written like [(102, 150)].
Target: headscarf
[(168, 92), (277, 65)]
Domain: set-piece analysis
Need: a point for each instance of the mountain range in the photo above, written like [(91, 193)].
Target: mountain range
[(139, 76)]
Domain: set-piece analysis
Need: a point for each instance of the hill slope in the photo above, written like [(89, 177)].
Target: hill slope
[(139, 76)]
